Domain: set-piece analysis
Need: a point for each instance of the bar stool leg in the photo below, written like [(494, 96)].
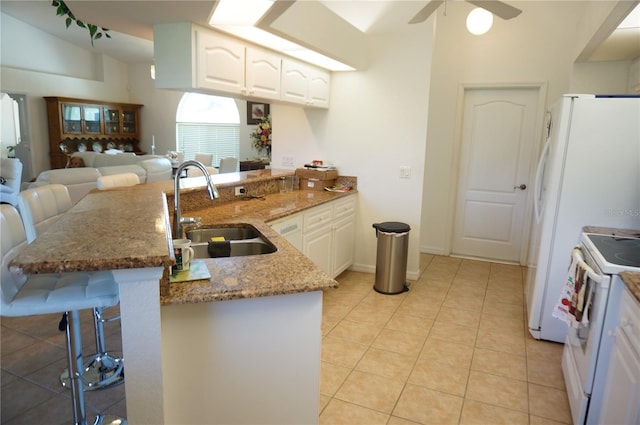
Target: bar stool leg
[(100, 370), (74, 355)]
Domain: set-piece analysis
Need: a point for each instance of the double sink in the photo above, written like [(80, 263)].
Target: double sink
[(228, 240)]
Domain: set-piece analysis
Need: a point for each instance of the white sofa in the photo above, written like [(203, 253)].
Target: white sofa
[(80, 181), (11, 173)]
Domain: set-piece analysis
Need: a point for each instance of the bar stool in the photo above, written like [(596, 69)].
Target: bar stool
[(40, 207), (66, 293)]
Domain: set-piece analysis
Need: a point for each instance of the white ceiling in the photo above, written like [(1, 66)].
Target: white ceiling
[(131, 22)]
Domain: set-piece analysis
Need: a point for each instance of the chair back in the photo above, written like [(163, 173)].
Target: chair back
[(12, 241), (117, 180), (205, 158), (196, 172), (42, 206), (228, 165)]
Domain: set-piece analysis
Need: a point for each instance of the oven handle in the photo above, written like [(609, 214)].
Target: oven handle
[(577, 256)]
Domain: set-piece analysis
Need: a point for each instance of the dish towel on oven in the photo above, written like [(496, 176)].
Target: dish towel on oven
[(575, 297)]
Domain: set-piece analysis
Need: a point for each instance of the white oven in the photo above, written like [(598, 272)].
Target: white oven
[(601, 258)]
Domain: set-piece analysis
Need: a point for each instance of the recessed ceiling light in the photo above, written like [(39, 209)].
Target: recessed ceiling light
[(239, 17)]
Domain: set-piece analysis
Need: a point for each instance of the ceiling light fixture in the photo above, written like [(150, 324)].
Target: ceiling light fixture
[(479, 21), (239, 17)]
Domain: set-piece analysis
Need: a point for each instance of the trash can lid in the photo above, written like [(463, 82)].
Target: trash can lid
[(392, 227)]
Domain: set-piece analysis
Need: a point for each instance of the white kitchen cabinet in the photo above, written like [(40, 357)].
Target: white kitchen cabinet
[(328, 237), (191, 57), (262, 73), (220, 62), (305, 84), (621, 401), (188, 56)]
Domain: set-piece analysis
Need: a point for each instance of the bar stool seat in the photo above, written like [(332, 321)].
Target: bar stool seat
[(39, 208), (67, 293)]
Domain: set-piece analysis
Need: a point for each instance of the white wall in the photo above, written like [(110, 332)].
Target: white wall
[(377, 122), (61, 80), (537, 46)]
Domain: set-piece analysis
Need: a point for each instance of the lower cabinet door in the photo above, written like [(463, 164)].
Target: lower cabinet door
[(343, 237), (317, 246)]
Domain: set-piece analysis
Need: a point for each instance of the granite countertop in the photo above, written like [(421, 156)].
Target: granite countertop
[(285, 271), (97, 234), (632, 281)]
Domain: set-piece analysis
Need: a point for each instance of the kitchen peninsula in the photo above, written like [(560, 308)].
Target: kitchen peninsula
[(242, 347)]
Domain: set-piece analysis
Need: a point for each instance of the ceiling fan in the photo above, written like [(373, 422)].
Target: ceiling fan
[(498, 8)]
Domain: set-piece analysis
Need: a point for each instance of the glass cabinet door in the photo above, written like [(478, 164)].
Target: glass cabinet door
[(111, 121), (129, 122), (71, 119), (92, 119)]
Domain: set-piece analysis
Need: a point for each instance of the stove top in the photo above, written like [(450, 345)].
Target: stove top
[(614, 254)]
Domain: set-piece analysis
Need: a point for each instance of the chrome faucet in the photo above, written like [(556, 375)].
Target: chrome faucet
[(178, 220)]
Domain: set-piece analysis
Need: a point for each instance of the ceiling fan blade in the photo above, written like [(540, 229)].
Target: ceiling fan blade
[(426, 11), (498, 8)]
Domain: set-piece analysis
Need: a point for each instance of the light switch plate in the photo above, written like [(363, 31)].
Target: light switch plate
[(405, 171)]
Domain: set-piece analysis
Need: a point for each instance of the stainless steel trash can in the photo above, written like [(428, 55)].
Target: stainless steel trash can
[(391, 260)]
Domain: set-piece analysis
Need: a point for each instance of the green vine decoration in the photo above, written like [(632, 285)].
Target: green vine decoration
[(95, 32)]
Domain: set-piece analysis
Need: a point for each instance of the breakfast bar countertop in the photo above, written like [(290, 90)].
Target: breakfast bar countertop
[(99, 234)]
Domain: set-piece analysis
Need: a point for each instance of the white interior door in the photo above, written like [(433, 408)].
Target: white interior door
[(498, 138)]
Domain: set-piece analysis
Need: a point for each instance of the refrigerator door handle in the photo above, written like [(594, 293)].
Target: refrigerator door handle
[(537, 198)]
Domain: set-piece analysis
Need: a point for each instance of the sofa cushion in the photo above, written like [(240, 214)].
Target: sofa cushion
[(79, 181), (68, 176)]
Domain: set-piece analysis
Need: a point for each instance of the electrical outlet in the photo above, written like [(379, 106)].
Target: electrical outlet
[(239, 190), (287, 160)]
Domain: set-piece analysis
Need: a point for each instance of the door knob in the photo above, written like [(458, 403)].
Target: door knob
[(521, 187)]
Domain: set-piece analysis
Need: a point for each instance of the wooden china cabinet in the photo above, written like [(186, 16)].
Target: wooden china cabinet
[(77, 125)]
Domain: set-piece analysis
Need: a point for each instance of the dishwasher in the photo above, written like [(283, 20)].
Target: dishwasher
[(290, 228)]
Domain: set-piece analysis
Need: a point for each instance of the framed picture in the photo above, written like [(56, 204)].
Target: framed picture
[(256, 112)]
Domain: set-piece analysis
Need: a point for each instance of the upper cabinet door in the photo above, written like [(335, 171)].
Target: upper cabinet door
[(319, 86), (262, 74), (305, 84), (219, 63), (295, 81)]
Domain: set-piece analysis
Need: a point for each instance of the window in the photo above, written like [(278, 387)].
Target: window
[(208, 124)]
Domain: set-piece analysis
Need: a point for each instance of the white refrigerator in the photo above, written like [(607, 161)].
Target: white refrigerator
[(588, 175)]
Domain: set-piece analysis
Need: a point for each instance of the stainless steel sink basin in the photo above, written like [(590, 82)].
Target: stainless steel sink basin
[(239, 240), (232, 232)]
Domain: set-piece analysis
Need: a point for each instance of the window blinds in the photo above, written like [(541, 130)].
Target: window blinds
[(221, 140)]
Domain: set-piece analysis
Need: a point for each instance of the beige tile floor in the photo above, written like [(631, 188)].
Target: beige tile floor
[(454, 349)]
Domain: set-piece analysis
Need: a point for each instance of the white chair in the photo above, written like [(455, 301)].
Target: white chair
[(11, 172), (31, 295), (40, 207), (205, 158), (228, 165), (196, 172), (117, 180)]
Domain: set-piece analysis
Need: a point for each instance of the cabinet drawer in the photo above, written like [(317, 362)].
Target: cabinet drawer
[(629, 318), (344, 207), (317, 217)]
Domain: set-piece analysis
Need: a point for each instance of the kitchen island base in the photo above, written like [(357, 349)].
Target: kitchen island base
[(245, 361)]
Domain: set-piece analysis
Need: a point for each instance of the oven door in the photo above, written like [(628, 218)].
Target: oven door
[(583, 339)]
